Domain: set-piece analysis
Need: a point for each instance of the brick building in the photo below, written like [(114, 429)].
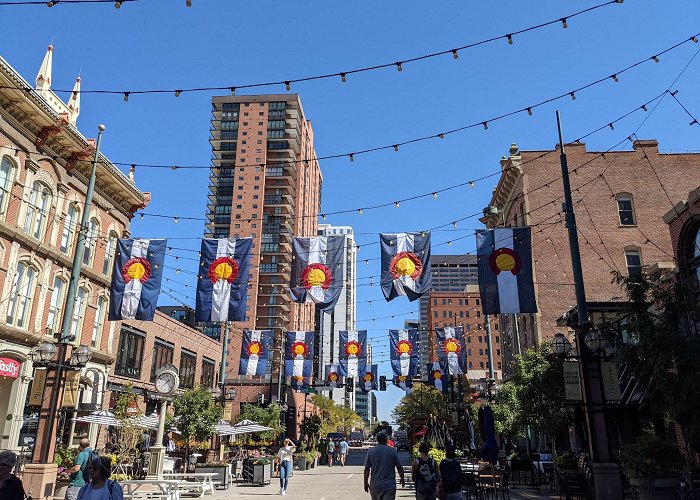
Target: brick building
[(265, 184), (464, 309), (619, 204)]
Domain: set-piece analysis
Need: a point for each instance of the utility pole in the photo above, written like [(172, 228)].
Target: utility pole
[(606, 474)]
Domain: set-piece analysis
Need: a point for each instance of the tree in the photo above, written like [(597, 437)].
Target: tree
[(197, 415), (268, 416), (507, 412), (126, 436), (423, 401), (335, 418), (311, 427)]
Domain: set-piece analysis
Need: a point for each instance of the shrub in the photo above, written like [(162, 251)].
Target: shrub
[(649, 457)]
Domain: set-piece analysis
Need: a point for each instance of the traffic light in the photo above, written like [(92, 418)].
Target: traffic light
[(349, 385), (382, 383)]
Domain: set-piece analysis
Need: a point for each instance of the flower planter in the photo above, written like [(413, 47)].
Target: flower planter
[(301, 463), (223, 474), (665, 488), (262, 474)]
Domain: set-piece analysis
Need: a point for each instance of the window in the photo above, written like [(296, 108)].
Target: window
[(130, 354), (188, 363), (99, 322), (109, 252), (7, 169), (162, 355), (91, 242), (53, 322), (434, 302), (20, 300), (207, 377), (435, 314), (634, 261), (70, 227), (37, 210), (76, 324), (625, 209)]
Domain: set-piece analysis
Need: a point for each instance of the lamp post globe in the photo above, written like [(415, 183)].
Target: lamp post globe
[(594, 341), (561, 345), (46, 351), (82, 355), (215, 393), (231, 394)]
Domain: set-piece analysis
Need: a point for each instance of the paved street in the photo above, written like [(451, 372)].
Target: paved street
[(326, 483)]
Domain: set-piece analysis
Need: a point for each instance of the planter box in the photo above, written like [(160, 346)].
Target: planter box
[(661, 489), (301, 463), (59, 489), (262, 474), (223, 474)]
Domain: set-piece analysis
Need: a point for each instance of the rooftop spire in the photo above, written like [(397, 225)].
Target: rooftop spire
[(74, 102), (43, 78)]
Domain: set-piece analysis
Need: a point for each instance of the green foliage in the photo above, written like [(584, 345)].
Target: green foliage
[(423, 401), (507, 412), (127, 436), (124, 400), (197, 414), (65, 456), (311, 426), (648, 458), (268, 416), (335, 418)]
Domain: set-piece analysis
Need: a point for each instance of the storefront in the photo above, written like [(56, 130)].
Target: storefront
[(15, 376)]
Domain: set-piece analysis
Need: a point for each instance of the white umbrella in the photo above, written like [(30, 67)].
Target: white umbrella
[(147, 421), (101, 417), (223, 428), (246, 427)]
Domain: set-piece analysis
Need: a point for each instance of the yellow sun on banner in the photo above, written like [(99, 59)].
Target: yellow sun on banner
[(404, 347), (255, 348), (353, 348), (451, 346), (405, 264), (299, 349), (137, 268)]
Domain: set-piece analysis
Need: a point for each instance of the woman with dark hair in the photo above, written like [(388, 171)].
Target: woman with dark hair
[(100, 487), (10, 485)]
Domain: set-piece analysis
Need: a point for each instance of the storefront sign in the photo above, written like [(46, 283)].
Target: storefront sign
[(228, 411), (70, 389), (133, 408), (36, 392), (611, 381), (9, 367), (572, 382)]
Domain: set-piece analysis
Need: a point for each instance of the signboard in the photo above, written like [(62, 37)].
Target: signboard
[(70, 389), (133, 408), (9, 367), (228, 411), (611, 381), (572, 382), (36, 391)]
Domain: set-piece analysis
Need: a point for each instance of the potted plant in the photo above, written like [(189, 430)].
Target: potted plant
[(262, 471), (652, 465), (222, 470), (64, 457)]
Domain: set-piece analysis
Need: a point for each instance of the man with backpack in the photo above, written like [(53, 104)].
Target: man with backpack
[(425, 474), (451, 476), (77, 476)]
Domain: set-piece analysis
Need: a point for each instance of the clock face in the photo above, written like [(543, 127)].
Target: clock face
[(166, 383)]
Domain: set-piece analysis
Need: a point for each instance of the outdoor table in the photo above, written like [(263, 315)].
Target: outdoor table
[(203, 480), (166, 487)]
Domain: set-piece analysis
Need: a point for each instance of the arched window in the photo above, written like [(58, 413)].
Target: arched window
[(76, 324), (71, 226), (20, 300), (38, 210), (109, 252), (633, 258), (625, 209), (91, 242), (99, 322), (53, 322), (7, 169)]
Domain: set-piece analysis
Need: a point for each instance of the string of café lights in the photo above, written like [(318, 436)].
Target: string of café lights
[(342, 75)]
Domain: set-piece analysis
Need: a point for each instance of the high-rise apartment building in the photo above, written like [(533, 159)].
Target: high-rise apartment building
[(344, 314), (450, 273), (265, 184)]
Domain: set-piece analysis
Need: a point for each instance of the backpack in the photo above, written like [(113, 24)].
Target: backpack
[(451, 475), (427, 482)]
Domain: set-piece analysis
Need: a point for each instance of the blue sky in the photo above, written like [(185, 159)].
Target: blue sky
[(163, 44)]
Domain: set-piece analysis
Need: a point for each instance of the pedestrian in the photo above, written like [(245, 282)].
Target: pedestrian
[(285, 457), (451, 476), (381, 460), (100, 486), (323, 449), (343, 449), (337, 450), (425, 474), (330, 451), (10, 485), (77, 479)]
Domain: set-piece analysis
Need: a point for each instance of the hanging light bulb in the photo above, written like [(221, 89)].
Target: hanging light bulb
[(117, 5), (359, 211), (441, 135), (288, 86), (396, 147), (563, 23), (693, 39), (644, 107), (471, 184), (126, 96), (323, 216), (175, 220), (510, 39), (177, 93), (397, 204), (611, 126), (573, 96), (455, 54), (398, 66), (352, 156), (449, 243), (188, 3), (141, 216), (434, 195), (454, 224), (343, 77), (615, 78), (51, 3), (529, 111), (486, 125), (233, 90)]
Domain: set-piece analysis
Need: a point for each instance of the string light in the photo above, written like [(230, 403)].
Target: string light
[(126, 96), (434, 195), (455, 54), (655, 59), (141, 216), (529, 111), (694, 39), (359, 211), (177, 93), (175, 220), (396, 147), (441, 136), (486, 125), (51, 3), (510, 39), (573, 95), (117, 5), (188, 3), (644, 107), (397, 204), (352, 156), (471, 184), (611, 126), (398, 66), (615, 78), (563, 23), (288, 86), (343, 77)]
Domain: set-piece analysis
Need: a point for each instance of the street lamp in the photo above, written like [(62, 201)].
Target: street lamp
[(231, 394), (561, 345), (215, 393), (81, 355), (594, 341), (45, 351)]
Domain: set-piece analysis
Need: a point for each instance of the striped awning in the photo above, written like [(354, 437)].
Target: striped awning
[(245, 427), (223, 428), (102, 417), (146, 421)]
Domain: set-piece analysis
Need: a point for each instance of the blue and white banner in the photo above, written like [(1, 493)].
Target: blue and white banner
[(368, 379), (138, 271), (255, 352), (317, 272), (437, 375), (505, 270), (405, 265), (404, 356), (451, 349), (333, 376), (299, 358), (353, 355), (222, 284)]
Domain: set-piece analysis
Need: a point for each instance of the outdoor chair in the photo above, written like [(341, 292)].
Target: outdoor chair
[(502, 485), (470, 486), (548, 472)]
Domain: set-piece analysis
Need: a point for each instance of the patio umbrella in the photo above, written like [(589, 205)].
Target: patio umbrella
[(223, 428), (490, 449), (146, 421), (245, 427), (470, 430), (101, 417)]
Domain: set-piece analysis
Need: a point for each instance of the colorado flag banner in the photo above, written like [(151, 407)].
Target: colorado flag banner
[(317, 273), (437, 375), (368, 380), (451, 349), (138, 270), (255, 352), (404, 356), (333, 375), (222, 285), (405, 265), (505, 270), (299, 357), (352, 352)]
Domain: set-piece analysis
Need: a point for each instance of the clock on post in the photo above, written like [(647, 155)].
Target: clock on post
[(166, 383)]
